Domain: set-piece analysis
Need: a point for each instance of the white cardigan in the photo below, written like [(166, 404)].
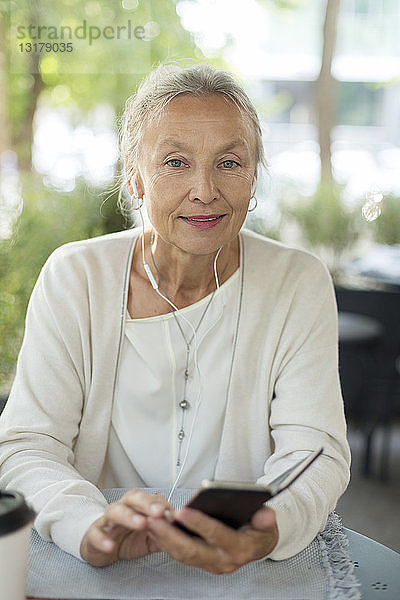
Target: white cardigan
[(284, 393)]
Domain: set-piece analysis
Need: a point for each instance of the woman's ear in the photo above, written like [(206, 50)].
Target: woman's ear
[(129, 186), (133, 179), (135, 186), (138, 184)]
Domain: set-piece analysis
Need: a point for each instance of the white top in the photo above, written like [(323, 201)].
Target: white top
[(283, 396), (144, 446)]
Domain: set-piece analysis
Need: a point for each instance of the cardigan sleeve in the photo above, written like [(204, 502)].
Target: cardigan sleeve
[(41, 420), (306, 413)]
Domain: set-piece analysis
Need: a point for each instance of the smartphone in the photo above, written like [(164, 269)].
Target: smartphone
[(234, 503)]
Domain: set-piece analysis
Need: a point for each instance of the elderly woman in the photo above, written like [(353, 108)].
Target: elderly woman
[(192, 349)]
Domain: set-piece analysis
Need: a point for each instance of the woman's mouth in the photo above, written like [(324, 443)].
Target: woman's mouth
[(203, 221)]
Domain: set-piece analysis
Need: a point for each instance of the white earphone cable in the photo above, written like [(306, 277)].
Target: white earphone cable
[(196, 346)]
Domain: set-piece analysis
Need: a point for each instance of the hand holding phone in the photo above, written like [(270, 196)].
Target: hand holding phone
[(234, 503)]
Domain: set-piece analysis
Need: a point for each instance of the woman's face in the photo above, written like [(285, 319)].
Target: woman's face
[(196, 169)]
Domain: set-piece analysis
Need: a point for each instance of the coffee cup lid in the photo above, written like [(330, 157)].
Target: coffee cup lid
[(14, 512)]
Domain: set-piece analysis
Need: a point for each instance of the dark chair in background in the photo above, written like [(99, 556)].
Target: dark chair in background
[(360, 339), (369, 347)]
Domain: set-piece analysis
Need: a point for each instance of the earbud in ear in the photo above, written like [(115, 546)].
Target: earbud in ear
[(135, 192)]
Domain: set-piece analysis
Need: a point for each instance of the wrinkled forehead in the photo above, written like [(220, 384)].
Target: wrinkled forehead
[(215, 116)]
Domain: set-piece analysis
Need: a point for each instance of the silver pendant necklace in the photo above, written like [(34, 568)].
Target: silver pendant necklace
[(183, 404)]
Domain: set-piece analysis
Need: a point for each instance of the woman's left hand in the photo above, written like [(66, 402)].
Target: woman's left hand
[(220, 549)]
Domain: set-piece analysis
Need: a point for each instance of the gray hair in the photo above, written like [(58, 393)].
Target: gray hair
[(165, 83)]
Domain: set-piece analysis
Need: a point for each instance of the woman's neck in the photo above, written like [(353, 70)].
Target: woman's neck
[(186, 278)]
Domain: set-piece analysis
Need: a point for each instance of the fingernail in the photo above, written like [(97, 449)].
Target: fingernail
[(157, 508), (137, 520)]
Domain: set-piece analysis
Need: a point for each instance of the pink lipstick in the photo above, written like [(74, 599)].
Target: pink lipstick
[(203, 221)]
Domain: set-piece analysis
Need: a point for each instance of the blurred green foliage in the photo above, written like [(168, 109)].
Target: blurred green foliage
[(326, 225), (48, 220)]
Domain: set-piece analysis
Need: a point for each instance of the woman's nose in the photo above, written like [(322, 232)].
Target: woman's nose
[(204, 188)]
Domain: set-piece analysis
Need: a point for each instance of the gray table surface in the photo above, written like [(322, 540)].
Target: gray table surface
[(376, 567)]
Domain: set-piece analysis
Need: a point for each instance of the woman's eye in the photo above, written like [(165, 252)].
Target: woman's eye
[(229, 164), (175, 162)]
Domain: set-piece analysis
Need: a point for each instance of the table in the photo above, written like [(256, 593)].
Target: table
[(376, 567)]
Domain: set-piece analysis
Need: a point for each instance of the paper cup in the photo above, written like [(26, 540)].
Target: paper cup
[(16, 519)]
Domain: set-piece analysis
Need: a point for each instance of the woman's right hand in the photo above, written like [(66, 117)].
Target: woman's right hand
[(121, 533)]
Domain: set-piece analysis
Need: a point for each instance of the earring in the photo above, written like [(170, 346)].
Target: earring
[(255, 205)]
